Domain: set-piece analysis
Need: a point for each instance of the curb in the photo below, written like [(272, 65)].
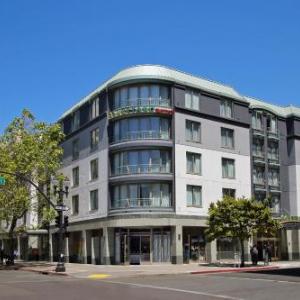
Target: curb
[(45, 272), (235, 270)]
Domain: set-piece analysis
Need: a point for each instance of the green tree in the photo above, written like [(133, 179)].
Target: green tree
[(240, 218), (32, 150)]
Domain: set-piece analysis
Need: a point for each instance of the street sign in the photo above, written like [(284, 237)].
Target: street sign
[(62, 208), (2, 180)]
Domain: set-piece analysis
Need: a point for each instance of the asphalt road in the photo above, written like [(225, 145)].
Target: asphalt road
[(276, 284)]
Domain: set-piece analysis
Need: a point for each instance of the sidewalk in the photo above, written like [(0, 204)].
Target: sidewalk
[(119, 271)]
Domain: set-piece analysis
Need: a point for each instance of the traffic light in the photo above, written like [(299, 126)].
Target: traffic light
[(66, 221), (57, 221)]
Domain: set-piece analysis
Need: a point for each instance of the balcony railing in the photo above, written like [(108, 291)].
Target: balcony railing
[(141, 203), (142, 135), (274, 186), (142, 169), (145, 102), (258, 157), (273, 135), (273, 159), (259, 184), (259, 132)]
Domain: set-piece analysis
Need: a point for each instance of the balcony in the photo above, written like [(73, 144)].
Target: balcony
[(259, 185), (142, 105), (142, 203), (258, 157), (142, 135), (272, 135), (274, 186), (142, 169), (273, 159), (258, 132)]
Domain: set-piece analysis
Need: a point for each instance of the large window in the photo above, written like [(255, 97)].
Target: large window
[(75, 149), (94, 108), (94, 200), (76, 120), (75, 205), (194, 195), (226, 109), (94, 169), (272, 123), (228, 168), (192, 100), (94, 136), (141, 195), (192, 131), (141, 95), (193, 163), (141, 128), (227, 138), (141, 161), (273, 177), (75, 176), (259, 175), (257, 120), (257, 147), (273, 153)]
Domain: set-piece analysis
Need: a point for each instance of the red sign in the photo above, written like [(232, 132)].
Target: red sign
[(162, 110)]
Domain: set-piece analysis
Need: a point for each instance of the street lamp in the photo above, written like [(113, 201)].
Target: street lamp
[(61, 188)]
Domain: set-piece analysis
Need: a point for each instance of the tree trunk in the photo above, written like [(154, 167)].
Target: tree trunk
[(11, 258), (242, 253)]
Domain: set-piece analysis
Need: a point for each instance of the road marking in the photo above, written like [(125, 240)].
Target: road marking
[(258, 279), (173, 290), (99, 276)]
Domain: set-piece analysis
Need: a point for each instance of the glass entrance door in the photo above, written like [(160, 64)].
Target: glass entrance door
[(140, 247)]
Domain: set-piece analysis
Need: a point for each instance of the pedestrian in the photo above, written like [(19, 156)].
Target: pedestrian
[(269, 250), (265, 255), (254, 255), (1, 256)]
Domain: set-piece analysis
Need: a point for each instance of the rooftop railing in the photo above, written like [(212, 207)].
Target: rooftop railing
[(141, 203)]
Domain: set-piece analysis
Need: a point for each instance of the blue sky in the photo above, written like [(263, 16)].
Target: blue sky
[(52, 53)]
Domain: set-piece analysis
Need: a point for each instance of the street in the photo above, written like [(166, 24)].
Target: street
[(275, 284)]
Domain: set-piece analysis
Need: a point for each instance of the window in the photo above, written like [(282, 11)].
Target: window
[(273, 177), (228, 168), (75, 149), (193, 163), (94, 169), (227, 138), (226, 108), (94, 200), (94, 110), (257, 148), (192, 100), (76, 120), (228, 192), (259, 175), (257, 120), (271, 124), (75, 177), (75, 204), (193, 194), (273, 151), (94, 135), (192, 131)]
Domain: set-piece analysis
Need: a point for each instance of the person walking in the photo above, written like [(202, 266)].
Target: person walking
[(1, 256), (265, 255), (254, 255)]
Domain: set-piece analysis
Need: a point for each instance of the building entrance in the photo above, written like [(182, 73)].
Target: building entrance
[(139, 248)]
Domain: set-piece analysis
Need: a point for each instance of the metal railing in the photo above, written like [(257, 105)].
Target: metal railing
[(273, 135), (144, 102), (142, 135), (142, 169), (258, 131), (141, 203)]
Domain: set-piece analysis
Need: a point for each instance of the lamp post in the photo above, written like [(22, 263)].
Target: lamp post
[(61, 189)]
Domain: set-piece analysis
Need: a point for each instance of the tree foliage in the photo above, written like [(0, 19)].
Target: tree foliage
[(31, 149), (240, 218)]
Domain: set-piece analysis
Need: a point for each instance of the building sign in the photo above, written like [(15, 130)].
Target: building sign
[(139, 109)]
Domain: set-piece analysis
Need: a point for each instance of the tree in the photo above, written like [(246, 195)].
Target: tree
[(30, 149), (240, 218)]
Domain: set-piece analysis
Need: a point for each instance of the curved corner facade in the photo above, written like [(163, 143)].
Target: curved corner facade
[(150, 149)]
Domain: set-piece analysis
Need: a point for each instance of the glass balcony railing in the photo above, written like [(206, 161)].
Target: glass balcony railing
[(259, 184), (274, 185), (142, 169), (142, 135), (273, 135), (140, 203), (259, 132), (144, 102), (273, 159)]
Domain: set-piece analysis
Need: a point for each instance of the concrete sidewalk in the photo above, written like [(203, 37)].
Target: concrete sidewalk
[(119, 271)]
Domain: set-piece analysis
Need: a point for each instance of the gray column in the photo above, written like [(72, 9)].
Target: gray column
[(211, 251), (107, 248), (83, 247), (67, 254), (176, 245), (50, 248)]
